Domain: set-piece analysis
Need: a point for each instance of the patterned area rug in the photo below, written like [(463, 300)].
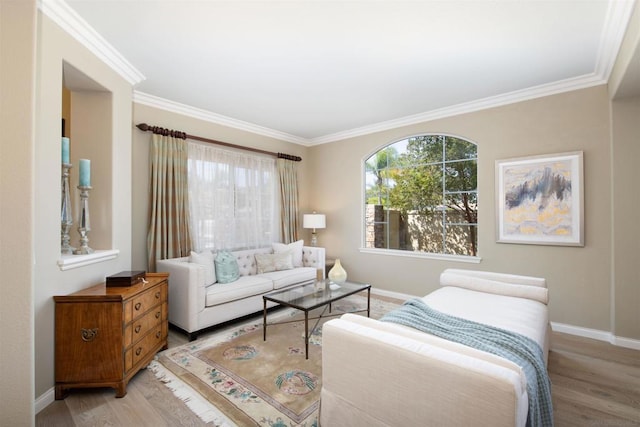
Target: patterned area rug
[(235, 378)]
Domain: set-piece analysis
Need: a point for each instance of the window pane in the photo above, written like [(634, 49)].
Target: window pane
[(461, 175), (424, 149), (464, 206), (418, 188), (461, 240), (375, 226), (458, 149)]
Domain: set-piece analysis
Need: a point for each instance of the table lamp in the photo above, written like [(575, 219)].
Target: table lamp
[(314, 221)]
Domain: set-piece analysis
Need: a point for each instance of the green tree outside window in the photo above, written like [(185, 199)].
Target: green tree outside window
[(421, 195)]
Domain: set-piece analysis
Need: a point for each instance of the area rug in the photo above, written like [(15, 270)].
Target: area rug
[(235, 378)]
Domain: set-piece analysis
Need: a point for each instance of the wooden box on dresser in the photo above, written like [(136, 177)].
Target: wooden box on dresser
[(105, 335)]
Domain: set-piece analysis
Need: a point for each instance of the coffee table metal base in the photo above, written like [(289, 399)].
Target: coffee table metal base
[(306, 310)]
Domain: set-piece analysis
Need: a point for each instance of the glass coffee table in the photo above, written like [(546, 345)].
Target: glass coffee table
[(310, 297)]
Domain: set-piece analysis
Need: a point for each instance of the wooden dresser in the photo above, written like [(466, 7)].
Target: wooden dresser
[(105, 335)]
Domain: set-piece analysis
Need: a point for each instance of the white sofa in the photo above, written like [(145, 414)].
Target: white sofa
[(384, 374), (195, 306)]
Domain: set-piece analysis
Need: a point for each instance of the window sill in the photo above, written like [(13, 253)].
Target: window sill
[(69, 262), (439, 257)]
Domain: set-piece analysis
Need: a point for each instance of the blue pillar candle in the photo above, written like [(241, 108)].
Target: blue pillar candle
[(85, 173), (65, 149)]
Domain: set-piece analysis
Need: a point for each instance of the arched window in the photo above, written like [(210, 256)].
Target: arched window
[(421, 196)]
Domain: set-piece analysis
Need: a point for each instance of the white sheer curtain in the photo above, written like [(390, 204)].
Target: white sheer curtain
[(233, 198)]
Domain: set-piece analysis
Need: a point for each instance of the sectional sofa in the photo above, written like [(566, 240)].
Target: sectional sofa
[(197, 301), (377, 373)]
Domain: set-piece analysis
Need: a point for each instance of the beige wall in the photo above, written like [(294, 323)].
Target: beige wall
[(109, 148), (595, 287), (17, 108), (579, 278), (166, 119), (626, 227)]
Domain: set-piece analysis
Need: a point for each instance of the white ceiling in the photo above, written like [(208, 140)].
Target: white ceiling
[(316, 71)]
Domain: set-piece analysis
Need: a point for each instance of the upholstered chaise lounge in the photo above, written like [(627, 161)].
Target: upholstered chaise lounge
[(377, 373)]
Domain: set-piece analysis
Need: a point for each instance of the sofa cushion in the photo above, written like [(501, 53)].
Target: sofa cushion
[(247, 260), (295, 248), (274, 262), (284, 278), (226, 267), (244, 287), (205, 259)]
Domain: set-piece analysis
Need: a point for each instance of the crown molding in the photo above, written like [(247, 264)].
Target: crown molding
[(618, 15), (208, 116), (468, 107), (67, 18), (615, 26)]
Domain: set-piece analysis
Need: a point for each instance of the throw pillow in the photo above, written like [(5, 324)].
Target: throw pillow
[(274, 262), (295, 248), (227, 270), (205, 259)]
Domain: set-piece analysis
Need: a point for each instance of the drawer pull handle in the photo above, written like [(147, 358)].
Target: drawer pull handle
[(158, 334), (157, 315), (138, 328), (158, 295), (88, 335), (138, 351), (138, 305)]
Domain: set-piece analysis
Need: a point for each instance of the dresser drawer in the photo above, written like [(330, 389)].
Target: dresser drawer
[(143, 348), (139, 327), (140, 304), (105, 334)]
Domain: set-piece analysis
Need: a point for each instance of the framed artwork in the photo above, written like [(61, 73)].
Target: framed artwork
[(540, 200)]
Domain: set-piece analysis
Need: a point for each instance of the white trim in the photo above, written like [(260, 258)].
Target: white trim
[(613, 31), (69, 20), (596, 334), (45, 399), (562, 86), (68, 262), (625, 342), (618, 15), (197, 113), (411, 254), (48, 397), (392, 294)]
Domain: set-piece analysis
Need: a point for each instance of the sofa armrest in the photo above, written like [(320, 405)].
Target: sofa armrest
[(186, 291), (397, 380), (497, 283), (313, 256), (515, 279)]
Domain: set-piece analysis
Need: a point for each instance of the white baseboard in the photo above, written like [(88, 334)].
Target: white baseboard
[(626, 342), (391, 294), (45, 399), (48, 397), (596, 334)]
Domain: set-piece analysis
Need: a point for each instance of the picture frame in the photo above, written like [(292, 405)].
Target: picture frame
[(540, 200)]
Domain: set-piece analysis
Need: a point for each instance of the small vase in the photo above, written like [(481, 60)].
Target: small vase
[(337, 273)]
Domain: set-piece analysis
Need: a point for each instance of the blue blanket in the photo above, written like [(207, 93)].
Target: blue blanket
[(512, 346)]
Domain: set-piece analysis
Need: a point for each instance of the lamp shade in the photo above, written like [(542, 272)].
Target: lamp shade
[(313, 220)]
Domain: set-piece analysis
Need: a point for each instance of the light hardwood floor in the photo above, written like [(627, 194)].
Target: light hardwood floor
[(593, 384)]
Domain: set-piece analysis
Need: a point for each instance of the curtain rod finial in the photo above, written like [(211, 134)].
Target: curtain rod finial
[(143, 127)]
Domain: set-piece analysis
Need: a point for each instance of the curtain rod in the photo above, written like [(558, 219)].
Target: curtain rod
[(183, 135)]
